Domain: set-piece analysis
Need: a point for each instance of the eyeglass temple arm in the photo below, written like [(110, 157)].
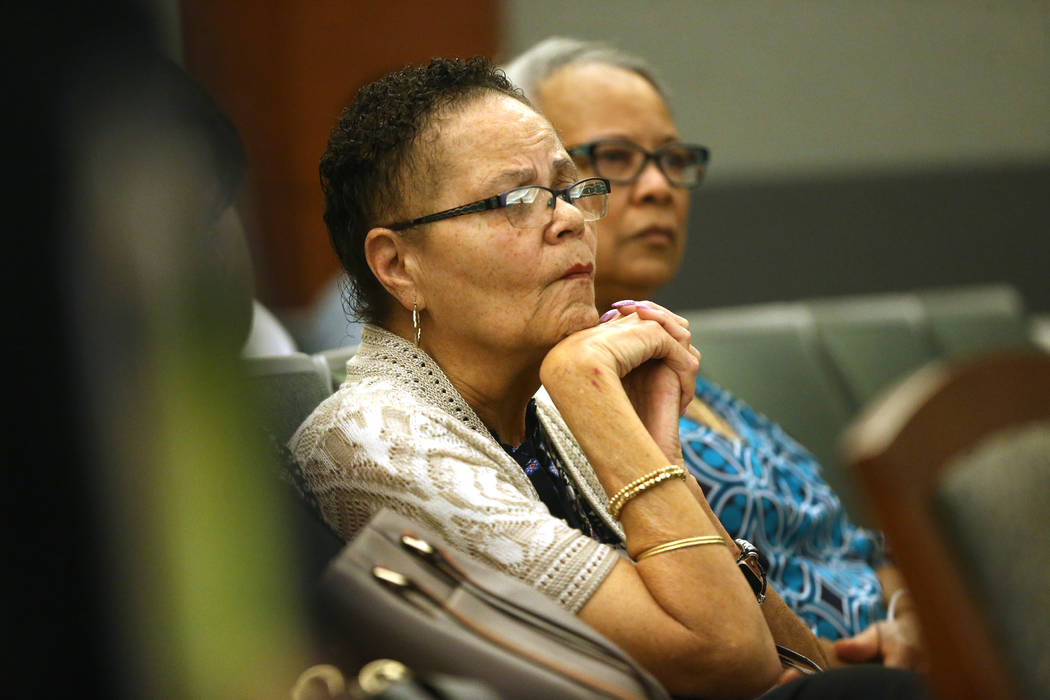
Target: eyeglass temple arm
[(483, 205)]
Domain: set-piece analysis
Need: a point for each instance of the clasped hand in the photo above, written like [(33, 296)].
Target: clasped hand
[(647, 348)]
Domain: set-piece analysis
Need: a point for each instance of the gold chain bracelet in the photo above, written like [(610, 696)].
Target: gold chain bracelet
[(681, 544), (620, 498)]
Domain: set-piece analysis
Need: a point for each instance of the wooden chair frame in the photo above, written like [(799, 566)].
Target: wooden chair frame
[(898, 448)]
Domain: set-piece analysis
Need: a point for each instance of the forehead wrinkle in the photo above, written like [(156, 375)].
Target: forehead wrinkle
[(565, 170), (532, 134), (514, 177), (669, 136)]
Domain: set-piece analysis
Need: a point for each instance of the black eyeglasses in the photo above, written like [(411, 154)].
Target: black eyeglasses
[(531, 206), (622, 162)]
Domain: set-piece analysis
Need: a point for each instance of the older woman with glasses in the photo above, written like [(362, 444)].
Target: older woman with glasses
[(469, 236), (611, 112)]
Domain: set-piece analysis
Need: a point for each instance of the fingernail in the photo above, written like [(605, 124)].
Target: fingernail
[(625, 302), (610, 314), (643, 303)]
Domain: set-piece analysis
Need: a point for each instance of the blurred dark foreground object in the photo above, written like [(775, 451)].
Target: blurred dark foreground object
[(150, 556), (955, 460)]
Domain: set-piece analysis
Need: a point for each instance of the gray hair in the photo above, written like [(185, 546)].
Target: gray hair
[(531, 68)]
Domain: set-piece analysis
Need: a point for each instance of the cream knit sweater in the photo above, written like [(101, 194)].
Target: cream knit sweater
[(398, 434)]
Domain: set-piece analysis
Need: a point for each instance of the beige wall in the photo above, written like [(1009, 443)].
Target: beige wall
[(817, 88)]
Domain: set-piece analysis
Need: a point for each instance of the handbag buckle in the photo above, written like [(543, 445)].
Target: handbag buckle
[(391, 577), (421, 546)]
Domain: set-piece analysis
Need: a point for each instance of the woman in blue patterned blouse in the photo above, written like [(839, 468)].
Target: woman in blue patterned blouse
[(612, 115)]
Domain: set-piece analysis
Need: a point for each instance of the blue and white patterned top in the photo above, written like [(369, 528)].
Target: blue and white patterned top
[(768, 489)]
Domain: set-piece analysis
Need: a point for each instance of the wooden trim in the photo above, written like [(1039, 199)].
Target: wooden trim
[(283, 71)]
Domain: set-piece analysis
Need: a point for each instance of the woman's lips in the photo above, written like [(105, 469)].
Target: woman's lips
[(657, 235), (579, 271)]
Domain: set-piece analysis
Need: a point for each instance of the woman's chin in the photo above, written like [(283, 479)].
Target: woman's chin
[(649, 271), (577, 317), (587, 317), (658, 272)]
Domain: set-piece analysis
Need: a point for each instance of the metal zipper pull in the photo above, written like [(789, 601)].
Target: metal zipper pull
[(428, 552), (405, 587)]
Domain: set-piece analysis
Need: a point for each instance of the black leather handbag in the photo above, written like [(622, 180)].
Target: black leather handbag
[(398, 591)]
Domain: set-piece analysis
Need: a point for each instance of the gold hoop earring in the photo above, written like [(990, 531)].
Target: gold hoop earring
[(415, 322)]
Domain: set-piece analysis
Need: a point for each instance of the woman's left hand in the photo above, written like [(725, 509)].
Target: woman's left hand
[(677, 326), (896, 642), (645, 384)]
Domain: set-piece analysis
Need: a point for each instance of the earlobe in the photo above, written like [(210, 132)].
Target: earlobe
[(389, 256)]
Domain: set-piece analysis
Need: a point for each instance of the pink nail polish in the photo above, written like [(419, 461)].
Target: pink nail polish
[(625, 302), (608, 315)]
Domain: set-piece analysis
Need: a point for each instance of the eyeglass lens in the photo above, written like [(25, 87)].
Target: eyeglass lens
[(623, 162), (529, 207)]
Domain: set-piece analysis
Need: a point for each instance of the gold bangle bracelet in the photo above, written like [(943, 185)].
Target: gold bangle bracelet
[(621, 497), (616, 505), (627, 487), (681, 544)]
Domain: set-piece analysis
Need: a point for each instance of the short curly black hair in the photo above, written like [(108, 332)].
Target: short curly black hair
[(378, 145)]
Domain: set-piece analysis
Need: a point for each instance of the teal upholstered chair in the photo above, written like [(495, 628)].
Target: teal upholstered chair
[(873, 340), (994, 503), (285, 389), (970, 320)]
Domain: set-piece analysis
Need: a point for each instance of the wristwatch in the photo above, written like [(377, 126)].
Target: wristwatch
[(753, 567)]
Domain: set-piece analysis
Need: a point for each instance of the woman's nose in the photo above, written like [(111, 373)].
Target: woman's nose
[(652, 184), (566, 219)]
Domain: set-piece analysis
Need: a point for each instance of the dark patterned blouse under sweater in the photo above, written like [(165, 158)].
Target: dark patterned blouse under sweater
[(563, 500)]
